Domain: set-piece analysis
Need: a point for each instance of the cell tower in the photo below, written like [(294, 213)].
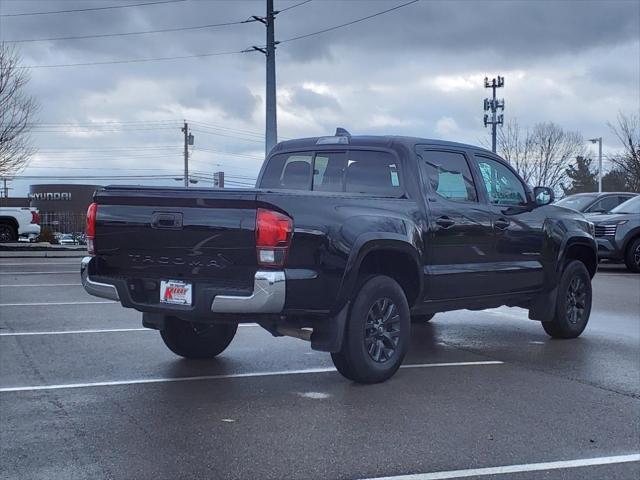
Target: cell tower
[(492, 105)]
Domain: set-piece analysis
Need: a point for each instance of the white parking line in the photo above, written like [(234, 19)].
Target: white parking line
[(526, 467), (77, 263), (40, 273), (104, 330), (72, 332), (43, 285), (219, 377), (39, 304)]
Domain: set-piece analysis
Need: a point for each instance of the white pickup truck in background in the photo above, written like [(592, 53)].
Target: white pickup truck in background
[(16, 222)]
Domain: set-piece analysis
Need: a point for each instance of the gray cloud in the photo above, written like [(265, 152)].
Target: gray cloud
[(414, 71)]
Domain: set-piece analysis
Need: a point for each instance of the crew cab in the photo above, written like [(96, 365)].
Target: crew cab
[(344, 242), (16, 222)]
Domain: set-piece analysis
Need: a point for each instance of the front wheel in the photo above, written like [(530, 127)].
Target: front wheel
[(377, 332), (632, 256), (197, 340), (573, 302)]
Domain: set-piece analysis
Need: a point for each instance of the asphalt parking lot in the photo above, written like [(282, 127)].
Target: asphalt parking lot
[(85, 392)]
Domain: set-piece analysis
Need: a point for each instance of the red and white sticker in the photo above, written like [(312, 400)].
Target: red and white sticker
[(175, 292)]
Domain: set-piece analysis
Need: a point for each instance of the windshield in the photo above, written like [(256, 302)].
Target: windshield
[(577, 202), (630, 206)]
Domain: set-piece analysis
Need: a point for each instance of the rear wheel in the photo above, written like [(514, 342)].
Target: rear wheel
[(632, 255), (573, 302), (377, 332), (8, 233), (197, 340)]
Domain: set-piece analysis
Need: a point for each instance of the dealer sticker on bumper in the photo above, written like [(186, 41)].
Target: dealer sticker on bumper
[(176, 292)]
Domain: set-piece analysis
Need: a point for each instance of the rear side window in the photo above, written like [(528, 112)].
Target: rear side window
[(356, 171), (372, 172), (291, 171), (449, 175)]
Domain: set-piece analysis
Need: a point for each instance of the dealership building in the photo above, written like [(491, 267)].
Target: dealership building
[(62, 207)]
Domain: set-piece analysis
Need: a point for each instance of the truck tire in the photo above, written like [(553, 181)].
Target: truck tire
[(8, 233), (377, 332), (573, 302), (197, 340), (632, 255), (424, 318)]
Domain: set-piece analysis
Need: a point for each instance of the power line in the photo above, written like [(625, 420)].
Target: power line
[(125, 34), (291, 7), (306, 35), (112, 7), (138, 60), (214, 54)]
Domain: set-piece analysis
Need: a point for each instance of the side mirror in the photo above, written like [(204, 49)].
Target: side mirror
[(543, 196)]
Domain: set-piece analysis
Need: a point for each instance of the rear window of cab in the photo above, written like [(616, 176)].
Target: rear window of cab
[(353, 171)]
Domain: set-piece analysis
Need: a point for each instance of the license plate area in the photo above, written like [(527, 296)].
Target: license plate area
[(176, 292)]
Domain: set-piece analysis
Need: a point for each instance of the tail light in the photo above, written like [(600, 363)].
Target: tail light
[(91, 227), (273, 237), (35, 217)]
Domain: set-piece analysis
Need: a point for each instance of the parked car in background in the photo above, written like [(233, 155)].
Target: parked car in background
[(16, 222), (595, 202), (67, 239), (618, 234)]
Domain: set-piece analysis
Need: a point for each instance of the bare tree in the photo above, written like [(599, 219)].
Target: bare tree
[(17, 109), (627, 129), (540, 155)]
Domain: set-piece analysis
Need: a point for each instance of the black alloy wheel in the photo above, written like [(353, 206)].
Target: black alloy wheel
[(632, 256), (377, 332), (7, 233), (573, 302), (382, 330)]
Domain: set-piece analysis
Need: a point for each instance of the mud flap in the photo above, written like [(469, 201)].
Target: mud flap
[(328, 335), (543, 306)]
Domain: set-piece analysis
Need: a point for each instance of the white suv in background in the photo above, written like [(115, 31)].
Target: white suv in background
[(18, 222)]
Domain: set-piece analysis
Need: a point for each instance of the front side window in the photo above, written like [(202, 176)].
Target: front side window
[(502, 185), (449, 175), (604, 205)]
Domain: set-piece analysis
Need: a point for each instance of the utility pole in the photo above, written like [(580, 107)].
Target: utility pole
[(6, 190), (599, 140), (188, 140), (493, 104), (271, 132)]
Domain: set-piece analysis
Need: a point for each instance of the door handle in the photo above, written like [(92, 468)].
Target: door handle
[(501, 223), (445, 222), (168, 220)]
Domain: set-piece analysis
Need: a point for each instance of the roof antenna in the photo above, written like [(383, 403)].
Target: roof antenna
[(342, 132)]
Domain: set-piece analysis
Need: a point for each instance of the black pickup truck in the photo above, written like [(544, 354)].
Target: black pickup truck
[(344, 242)]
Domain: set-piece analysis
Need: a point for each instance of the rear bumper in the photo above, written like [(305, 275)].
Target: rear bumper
[(268, 296), (97, 289), (269, 291), (29, 230)]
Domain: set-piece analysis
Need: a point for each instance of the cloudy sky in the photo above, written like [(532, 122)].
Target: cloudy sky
[(417, 70)]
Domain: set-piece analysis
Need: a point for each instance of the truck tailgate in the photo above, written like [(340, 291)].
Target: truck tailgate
[(178, 234)]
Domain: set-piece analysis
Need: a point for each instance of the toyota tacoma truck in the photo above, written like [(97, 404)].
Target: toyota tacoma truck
[(344, 242)]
